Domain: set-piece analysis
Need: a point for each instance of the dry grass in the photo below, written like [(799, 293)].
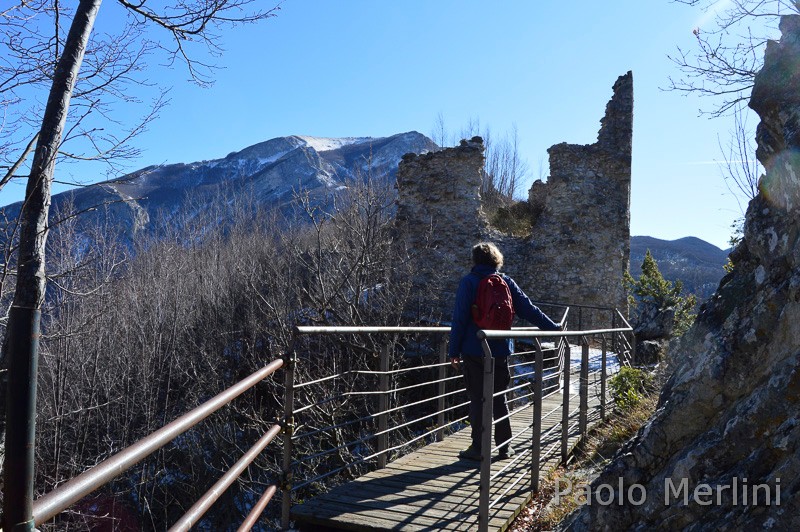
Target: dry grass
[(589, 458)]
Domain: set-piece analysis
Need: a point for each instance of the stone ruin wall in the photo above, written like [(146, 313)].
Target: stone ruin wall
[(579, 245)]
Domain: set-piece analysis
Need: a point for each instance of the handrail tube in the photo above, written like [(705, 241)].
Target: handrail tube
[(521, 397), (513, 485), (407, 423), (372, 435), (517, 457), (403, 389), (50, 504), (373, 416), (205, 502), (418, 437), (489, 334), (427, 400), (625, 321), (333, 329), (258, 509), (401, 370), (319, 403), (323, 379)]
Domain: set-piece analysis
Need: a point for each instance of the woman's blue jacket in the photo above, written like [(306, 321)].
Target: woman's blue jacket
[(463, 332)]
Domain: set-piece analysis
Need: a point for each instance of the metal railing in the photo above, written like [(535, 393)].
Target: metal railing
[(566, 367), (356, 417), (380, 437), (49, 505)]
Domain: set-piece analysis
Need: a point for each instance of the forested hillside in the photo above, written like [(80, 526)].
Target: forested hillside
[(695, 262)]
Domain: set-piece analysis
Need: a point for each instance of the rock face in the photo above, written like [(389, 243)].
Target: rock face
[(580, 244), (722, 452)]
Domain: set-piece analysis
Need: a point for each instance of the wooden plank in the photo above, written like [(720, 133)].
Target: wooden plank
[(408, 519), (433, 489)]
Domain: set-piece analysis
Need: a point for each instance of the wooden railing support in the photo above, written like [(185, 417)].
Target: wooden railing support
[(383, 406)]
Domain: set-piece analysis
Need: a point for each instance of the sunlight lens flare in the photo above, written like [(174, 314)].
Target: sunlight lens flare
[(781, 185)]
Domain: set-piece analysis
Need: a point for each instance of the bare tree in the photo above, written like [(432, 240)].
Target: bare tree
[(504, 170), (184, 20), (729, 55), (741, 168)]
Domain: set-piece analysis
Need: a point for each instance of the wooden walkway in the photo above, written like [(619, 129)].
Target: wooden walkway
[(432, 489)]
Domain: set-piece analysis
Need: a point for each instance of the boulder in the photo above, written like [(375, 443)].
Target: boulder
[(654, 323), (649, 352)]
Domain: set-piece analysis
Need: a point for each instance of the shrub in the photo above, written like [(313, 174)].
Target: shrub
[(516, 219), (629, 387)]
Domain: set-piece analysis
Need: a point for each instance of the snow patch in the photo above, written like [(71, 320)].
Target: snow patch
[(321, 144)]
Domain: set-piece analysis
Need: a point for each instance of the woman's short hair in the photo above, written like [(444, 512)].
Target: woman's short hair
[(487, 254)]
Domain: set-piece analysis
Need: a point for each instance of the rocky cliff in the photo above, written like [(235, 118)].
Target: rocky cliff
[(722, 450)]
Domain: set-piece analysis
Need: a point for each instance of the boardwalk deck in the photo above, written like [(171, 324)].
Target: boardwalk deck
[(432, 489)]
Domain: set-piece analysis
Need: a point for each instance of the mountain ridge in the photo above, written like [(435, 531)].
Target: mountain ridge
[(695, 262), (272, 172)]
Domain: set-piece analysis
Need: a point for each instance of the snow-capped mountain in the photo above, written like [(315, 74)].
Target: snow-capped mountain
[(270, 173)]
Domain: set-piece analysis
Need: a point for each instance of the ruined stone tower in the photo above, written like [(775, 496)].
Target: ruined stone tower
[(579, 245)]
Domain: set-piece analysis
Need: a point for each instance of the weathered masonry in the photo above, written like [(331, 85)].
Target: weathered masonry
[(579, 244)]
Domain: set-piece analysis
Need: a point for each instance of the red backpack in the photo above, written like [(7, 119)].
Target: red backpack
[(493, 307)]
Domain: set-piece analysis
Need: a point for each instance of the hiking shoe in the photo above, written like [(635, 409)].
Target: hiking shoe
[(506, 452), (470, 453)]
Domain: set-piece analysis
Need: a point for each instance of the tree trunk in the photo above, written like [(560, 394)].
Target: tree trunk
[(22, 337)]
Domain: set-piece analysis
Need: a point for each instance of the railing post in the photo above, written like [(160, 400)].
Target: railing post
[(288, 431), (603, 377), (633, 349), (536, 436), (565, 404), (383, 406), (486, 438), (441, 388), (583, 415)]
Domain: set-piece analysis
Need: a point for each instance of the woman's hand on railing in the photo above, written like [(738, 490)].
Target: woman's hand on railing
[(456, 363)]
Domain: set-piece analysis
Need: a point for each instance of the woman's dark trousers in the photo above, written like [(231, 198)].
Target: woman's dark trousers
[(473, 375)]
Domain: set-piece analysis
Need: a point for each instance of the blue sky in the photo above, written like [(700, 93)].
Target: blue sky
[(376, 68)]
